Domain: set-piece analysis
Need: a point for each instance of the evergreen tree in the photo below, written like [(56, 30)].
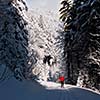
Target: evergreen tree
[(82, 39), (45, 40), (13, 40)]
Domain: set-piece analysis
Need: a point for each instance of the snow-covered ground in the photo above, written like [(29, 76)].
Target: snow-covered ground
[(42, 41), (15, 90)]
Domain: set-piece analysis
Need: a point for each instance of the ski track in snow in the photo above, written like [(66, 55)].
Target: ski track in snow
[(15, 90), (63, 93)]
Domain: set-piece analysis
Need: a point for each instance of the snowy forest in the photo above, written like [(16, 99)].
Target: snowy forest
[(35, 45)]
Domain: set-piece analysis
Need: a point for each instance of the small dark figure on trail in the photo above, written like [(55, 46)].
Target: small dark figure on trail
[(62, 79)]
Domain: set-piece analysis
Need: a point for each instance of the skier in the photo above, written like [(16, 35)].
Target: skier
[(61, 79)]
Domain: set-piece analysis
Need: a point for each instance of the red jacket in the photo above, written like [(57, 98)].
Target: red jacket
[(61, 78)]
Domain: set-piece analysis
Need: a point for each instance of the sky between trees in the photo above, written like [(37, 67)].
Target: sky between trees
[(47, 4)]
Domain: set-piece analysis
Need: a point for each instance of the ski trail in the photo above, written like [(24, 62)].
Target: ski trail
[(65, 94), (62, 97), (59, 95), (14, 90), (71, 97), (69, 92)]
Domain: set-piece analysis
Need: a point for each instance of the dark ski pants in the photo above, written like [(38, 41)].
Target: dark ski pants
[(62, 84)]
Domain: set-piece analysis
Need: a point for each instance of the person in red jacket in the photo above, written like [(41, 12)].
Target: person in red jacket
[(62, 79)]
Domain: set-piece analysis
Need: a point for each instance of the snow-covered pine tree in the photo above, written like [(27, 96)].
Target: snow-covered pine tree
[(26, 38), (13, 39), (83, 40), (68, 12), (45, 41)]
